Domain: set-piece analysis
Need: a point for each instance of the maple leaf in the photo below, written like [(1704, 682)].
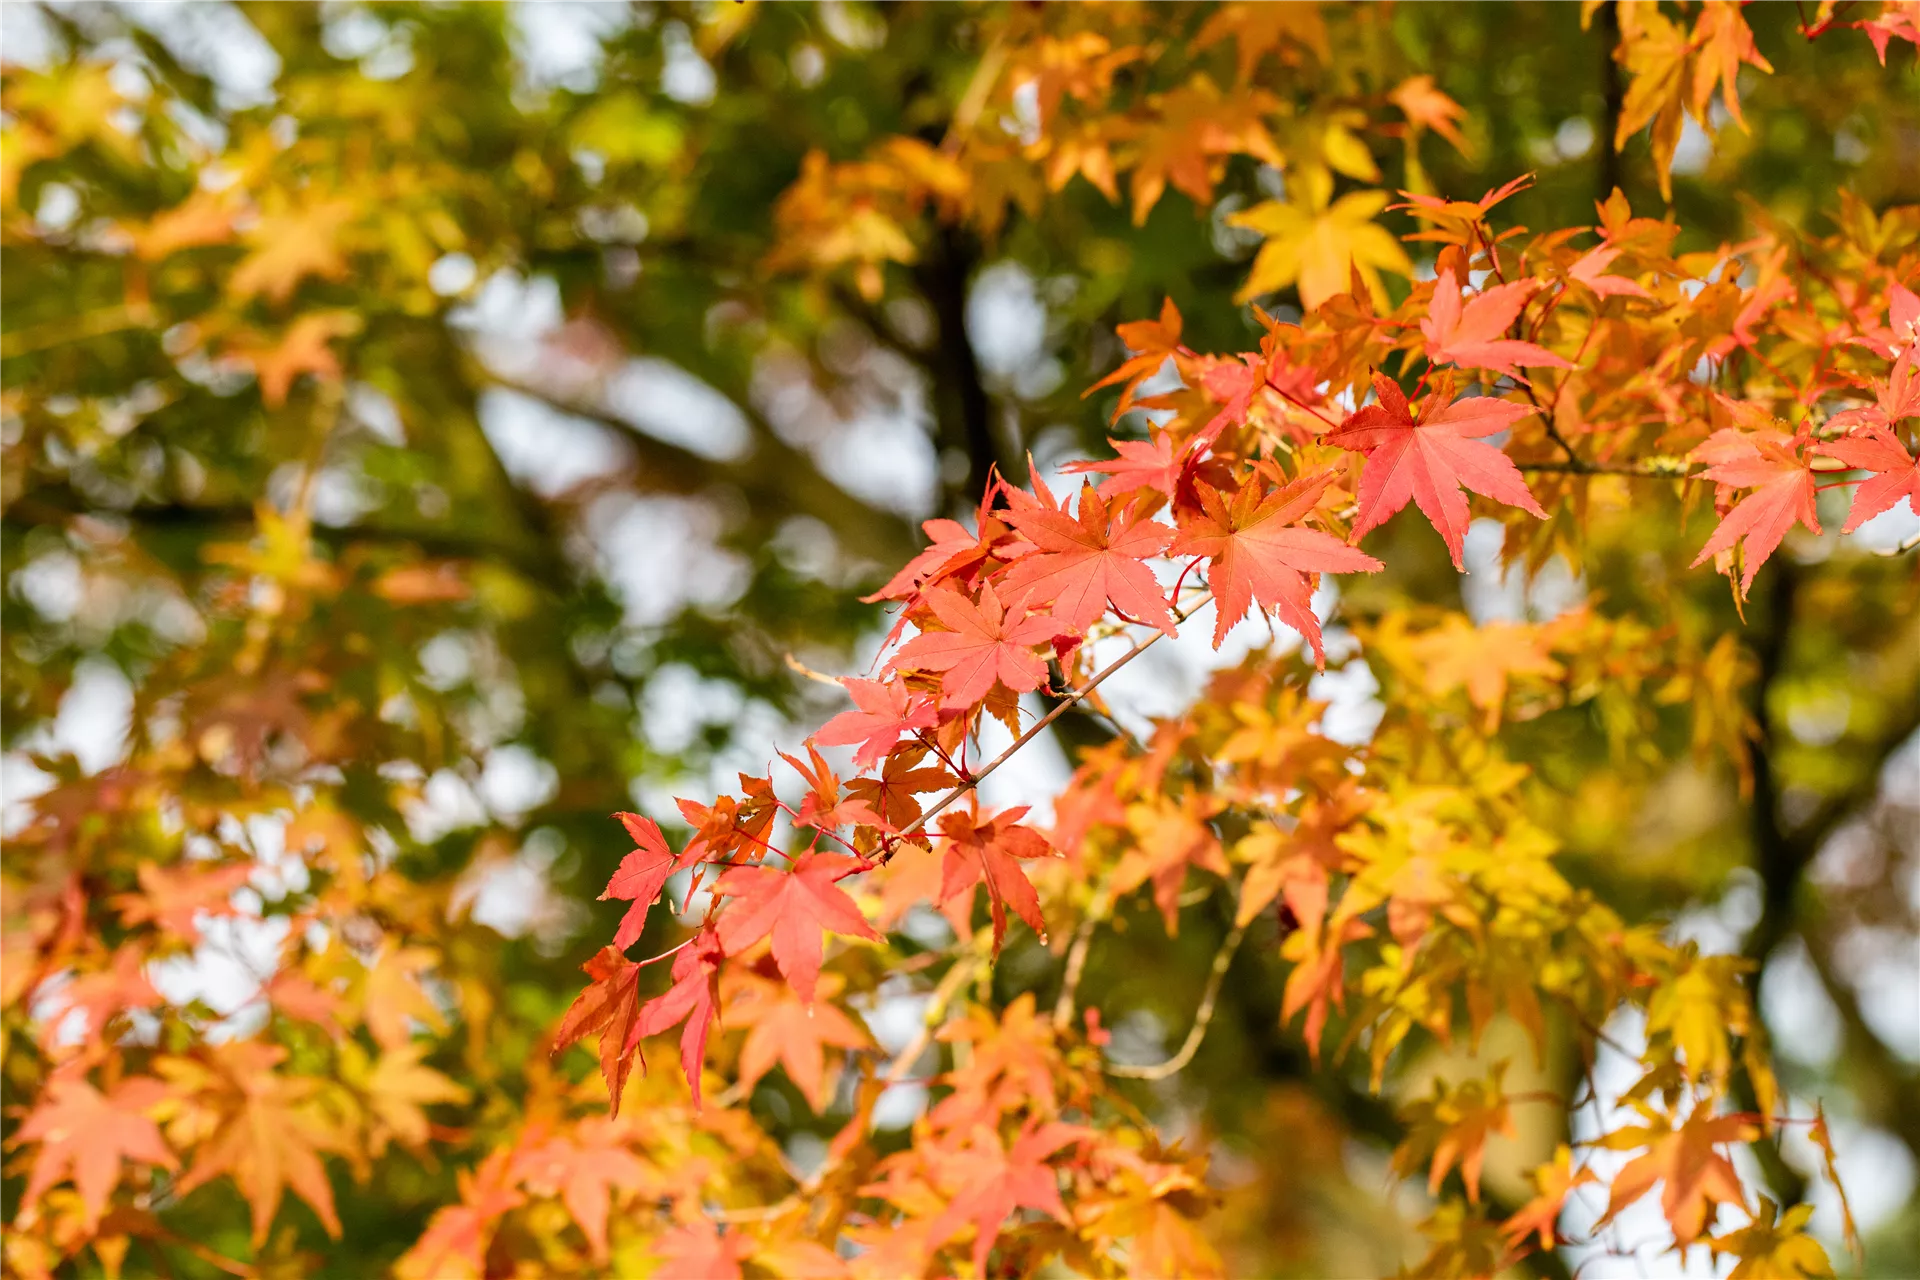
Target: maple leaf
[(886, 711), (1014, 1059), (1874, 448), (172, 897), (1588, 270), (990, 851), (1153, 343), (1317, 241), (1697, 1176), (642, 874), (891, 797), (1540, 1216), (1771, 464), (454, 1245), (86, 1135), (1140, 464), (396, 1090), (1897, 20), (289, 247), (102, 994), (984, 643), (268, 1135), (303, 348), (610, 1007), (1169, 838), (1457, 222), (1453, 1125), (395, 997), (1471, 335), (585, 1169), (1725, 42), (1191, 129), (1260, 29), (1775, 1246), (691, 1000), (1483, 659), (1260, 553), (793, 1033), (995, 1181), (203, 218), (953, 545), (1655, 59), (700, 1251), (1426, 107), (1428, 455), (1902, 329), (1082, 563), (795, 906), (1896, 398)]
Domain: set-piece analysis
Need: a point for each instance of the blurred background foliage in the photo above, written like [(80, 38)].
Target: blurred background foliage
[(584, 464)]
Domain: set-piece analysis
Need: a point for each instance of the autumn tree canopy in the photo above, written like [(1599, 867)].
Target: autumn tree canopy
[(718, 640)]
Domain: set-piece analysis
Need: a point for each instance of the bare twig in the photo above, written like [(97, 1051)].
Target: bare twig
[(963, 972), (802, 668), (1201, 1019), (77, 328), (1097, 911)]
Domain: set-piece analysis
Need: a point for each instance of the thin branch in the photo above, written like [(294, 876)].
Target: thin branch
[(1202, 1017), (1070, 699), (1580, 468), (75, 328), (1097, 910), (963, 972)]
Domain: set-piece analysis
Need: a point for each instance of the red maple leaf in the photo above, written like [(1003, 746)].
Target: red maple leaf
[(794, 1034), (1084, 562), (642, 874), (1427, 457), (990, 851), (1472, 335), (954, 551), (983, 643), (1896, 473), (886, 711), (796, 906), (86, 1134), (996, 1181), (1896, 398), (1259, 552), (1771, 464), (611, 1007), (691, 999), (1141, 464), (1902, 329)]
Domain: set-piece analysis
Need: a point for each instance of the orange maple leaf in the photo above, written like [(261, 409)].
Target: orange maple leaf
[(1697, 1176), (87, 1135)]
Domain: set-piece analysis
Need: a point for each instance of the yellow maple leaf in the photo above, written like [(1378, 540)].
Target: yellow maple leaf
[(1316, 242), (289, 247), (1774, 1246)]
